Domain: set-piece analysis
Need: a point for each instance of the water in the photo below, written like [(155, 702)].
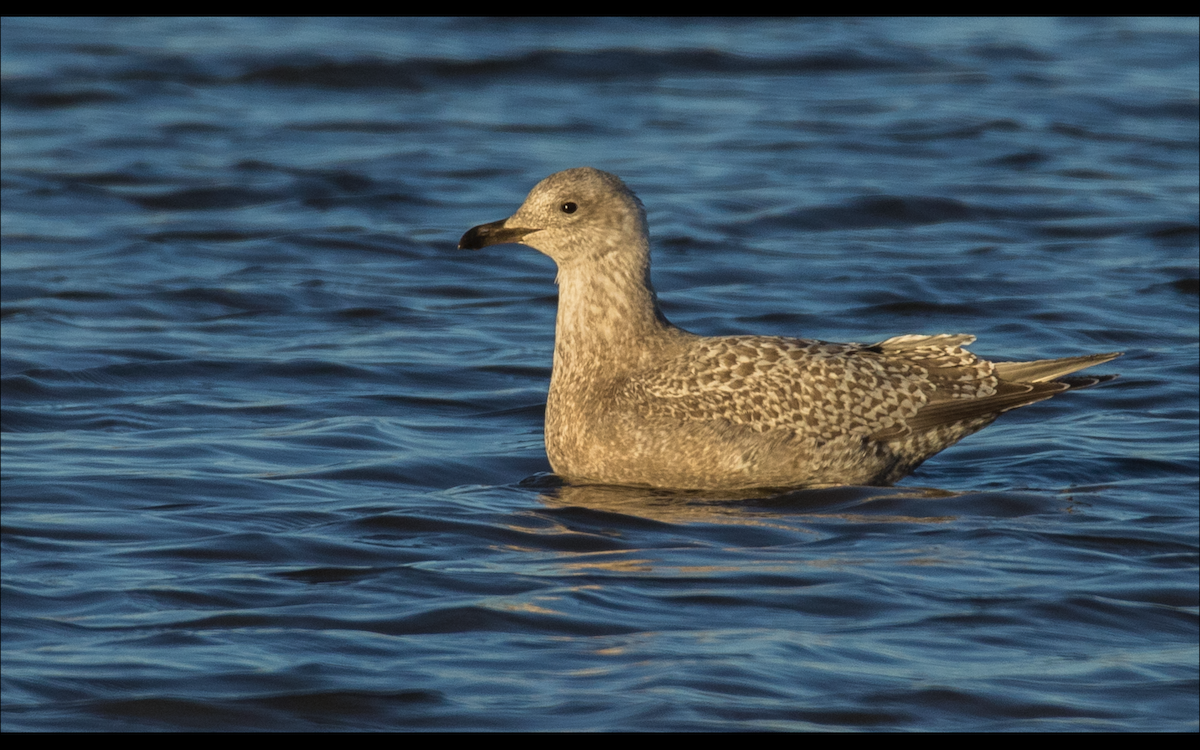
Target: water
[(272, 450)]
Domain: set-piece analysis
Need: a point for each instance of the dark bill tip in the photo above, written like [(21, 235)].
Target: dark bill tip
[(491, 234)]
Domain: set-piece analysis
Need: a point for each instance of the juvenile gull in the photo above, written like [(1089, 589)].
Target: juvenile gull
[(636, 401)]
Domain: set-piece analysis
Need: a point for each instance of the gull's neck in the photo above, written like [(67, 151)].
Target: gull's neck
[(609, 323)]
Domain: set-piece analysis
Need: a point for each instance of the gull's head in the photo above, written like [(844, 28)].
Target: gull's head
[(577, 214)]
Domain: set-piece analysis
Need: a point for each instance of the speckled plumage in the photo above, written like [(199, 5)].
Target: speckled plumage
[(635, 400)]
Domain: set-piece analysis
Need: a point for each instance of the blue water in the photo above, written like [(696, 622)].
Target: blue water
[(272, 446)]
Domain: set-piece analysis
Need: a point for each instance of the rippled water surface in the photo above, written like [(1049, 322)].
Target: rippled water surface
[(272, 446)]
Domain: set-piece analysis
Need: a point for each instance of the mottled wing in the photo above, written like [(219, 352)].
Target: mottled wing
[(818, 389)]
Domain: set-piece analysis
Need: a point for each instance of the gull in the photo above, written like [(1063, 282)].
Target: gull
[(635, 400)]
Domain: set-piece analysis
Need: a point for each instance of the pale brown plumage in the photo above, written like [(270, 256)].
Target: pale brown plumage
[(635, 400)]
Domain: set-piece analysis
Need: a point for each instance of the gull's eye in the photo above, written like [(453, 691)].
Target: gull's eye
[(569, 207)]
